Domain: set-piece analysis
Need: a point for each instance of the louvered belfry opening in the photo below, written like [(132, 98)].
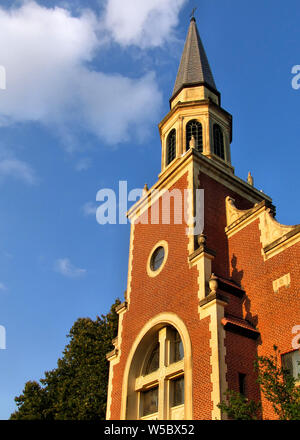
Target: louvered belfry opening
[(219, 142), (171, 146), (194, 128)]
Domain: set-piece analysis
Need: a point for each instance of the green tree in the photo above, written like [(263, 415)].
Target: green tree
[(278, 387), (77, 388), (238, 407)]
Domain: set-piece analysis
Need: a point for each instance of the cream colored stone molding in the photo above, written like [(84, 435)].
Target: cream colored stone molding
[(276, 237), (114, 357), (142, 381), (163, 319), (203, 262), (191, 208), (238, 219), (212, 168), (282, 244), (283, 281), (178, 169), (153, 273), (222, 174), (130, 258), (232, 213), (270, 229), (215, 311)]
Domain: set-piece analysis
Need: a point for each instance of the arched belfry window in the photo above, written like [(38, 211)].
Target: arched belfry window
[(171, 146), (158, 382), (219, 142), (194, 129)]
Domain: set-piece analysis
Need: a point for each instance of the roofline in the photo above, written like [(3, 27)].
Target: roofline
[(196, 84)]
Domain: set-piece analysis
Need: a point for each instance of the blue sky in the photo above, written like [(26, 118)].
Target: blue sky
[(87, 84)]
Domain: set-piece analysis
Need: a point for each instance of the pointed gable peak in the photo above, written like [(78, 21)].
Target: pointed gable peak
[(194, 67)]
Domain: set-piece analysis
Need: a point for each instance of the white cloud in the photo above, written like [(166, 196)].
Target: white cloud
[(144, 23), (45, 52), (18, 169), (3, 287), (83, 164), (89, 208), (66, 268)]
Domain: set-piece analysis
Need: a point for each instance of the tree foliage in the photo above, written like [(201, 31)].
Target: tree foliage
[(238, 407), (278, 387), (77, 388)]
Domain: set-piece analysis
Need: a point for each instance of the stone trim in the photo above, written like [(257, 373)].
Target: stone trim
[(121, 307), (284, 281), (151, 273), (287, 240), (210, 167), (112, 354), (214, 309), (237, 219), (130, 260), (202, 250), (274, 236), (221, 299)]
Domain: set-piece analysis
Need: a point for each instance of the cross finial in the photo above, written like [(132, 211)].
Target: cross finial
[(193, 13)]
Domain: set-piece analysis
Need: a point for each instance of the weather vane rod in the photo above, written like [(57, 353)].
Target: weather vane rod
[(193, 13)]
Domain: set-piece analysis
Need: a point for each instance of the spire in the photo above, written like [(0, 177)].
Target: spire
[(194, 68)]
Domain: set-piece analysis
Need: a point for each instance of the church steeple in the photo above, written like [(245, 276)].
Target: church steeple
[(196, 120), (194, 69)]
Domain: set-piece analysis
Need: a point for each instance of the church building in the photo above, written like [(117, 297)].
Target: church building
[(199, 307)]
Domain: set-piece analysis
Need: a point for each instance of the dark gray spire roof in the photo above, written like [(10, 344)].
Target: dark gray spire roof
[(194, 67)]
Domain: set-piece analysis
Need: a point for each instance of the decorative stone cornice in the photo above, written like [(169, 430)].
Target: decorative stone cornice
[(202, 250), (112, 354), (218, 297), (271, 230), (235, 217), (274, 236), (121, 307), (213, 168)]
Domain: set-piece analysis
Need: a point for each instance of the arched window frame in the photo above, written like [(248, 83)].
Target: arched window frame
[(171, 147), (161, 382), (194, 127), (129, 405), (218, 141)]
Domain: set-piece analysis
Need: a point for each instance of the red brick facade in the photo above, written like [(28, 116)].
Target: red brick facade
[(255, 261)]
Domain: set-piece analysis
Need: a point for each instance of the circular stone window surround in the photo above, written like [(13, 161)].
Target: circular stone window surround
[(154, 273)]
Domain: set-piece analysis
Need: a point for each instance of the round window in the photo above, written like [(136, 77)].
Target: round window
[(157, 258)]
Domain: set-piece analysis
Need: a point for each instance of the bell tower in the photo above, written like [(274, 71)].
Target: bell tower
[(196, 119), (187, 328)]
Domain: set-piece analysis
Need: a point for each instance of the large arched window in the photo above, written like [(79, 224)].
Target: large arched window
[(171, 146), (158, 383), (194, 128), (219, 142)]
